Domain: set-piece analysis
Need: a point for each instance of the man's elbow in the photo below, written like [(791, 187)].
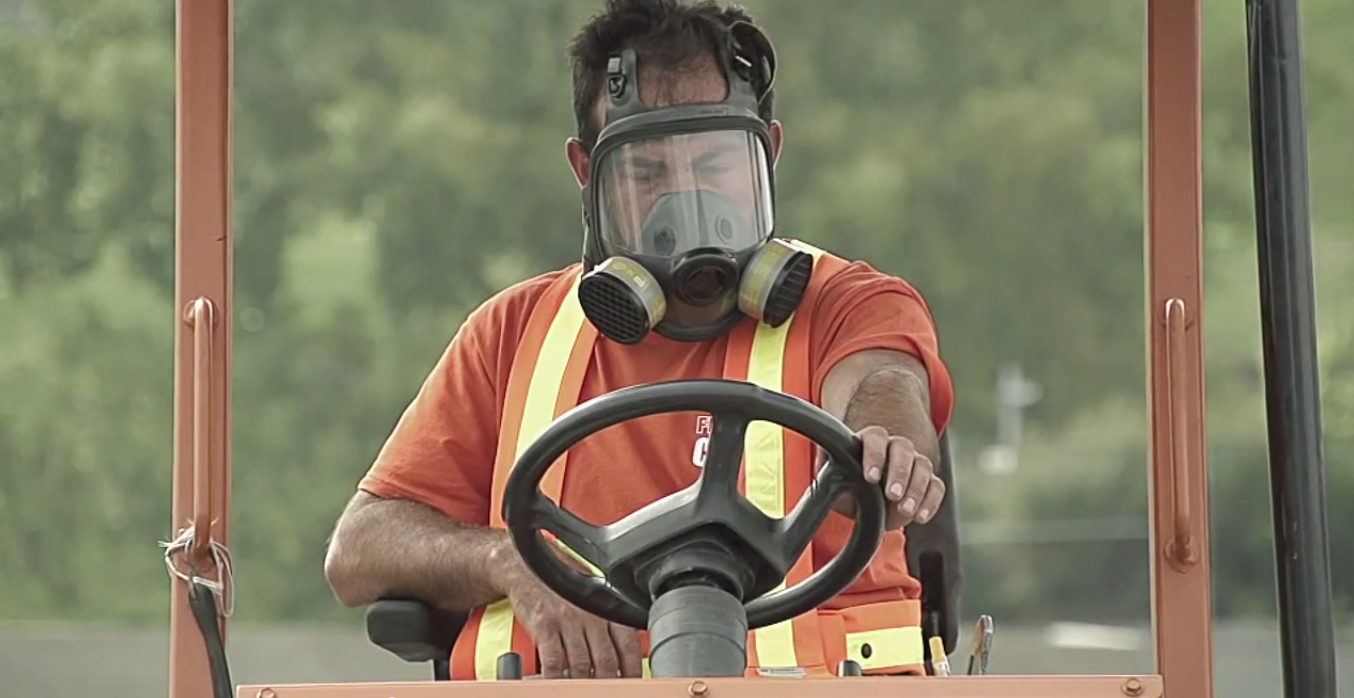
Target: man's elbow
[(340, 574), (342, 568)]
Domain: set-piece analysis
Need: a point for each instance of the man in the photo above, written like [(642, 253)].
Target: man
[(680, 267)]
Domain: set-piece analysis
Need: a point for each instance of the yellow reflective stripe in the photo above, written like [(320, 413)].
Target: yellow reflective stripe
[(644, 671), (889, 647), (496, 628), (765, 462), (592, 569), (543, 391), (764, 445), (806, 247), (493, 640)]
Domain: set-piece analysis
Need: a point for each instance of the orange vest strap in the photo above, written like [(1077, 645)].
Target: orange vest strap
[(465, 659), (779, 360), (524, 379), (884, 638)]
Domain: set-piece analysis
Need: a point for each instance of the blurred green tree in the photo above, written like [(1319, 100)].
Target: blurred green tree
[(399, 161)]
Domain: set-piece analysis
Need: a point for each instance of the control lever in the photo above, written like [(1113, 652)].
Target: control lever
[(849, 667), (982, 646), (509, 667), (931, 575), (940, 664)]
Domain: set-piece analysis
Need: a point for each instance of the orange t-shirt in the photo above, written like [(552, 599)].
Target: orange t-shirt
[(441, 452)]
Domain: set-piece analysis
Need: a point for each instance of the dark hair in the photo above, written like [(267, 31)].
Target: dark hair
[(667, 35)]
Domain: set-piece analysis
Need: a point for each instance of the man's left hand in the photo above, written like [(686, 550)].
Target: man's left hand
[(911, 487)]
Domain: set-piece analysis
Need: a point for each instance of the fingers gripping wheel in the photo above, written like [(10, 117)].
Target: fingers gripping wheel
[(707, 535)]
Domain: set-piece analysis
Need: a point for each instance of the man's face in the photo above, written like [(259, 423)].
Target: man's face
[(644, 171), (719, 161), (635, 176)]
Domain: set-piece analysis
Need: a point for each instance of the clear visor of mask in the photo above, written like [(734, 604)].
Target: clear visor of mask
[(667, 195)]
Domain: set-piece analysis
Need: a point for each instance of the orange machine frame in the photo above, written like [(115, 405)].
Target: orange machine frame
[(1181, 592)]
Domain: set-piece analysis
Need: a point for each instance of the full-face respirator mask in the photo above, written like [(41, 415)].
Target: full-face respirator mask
[(679, 209)]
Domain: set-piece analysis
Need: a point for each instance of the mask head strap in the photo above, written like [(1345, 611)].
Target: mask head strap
[(747, 62)]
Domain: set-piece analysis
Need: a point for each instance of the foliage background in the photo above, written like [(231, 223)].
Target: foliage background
[(399, 161)]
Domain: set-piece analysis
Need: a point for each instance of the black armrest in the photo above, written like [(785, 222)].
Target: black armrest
[(933, 556), (413, 630)]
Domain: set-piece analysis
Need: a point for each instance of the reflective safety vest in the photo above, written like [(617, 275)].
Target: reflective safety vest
[(545, 380)]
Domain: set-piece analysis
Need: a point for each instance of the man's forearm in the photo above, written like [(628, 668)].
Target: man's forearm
[(394, 548), (887, 391), (898, 400)]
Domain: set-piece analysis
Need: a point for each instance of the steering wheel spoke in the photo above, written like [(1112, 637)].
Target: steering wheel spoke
[(724, 458), (582, 539), (799, 526)]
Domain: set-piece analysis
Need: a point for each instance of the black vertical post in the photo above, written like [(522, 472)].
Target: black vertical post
[(1288, 329)]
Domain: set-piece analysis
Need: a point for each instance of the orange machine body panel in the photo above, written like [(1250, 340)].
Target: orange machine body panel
[(858, 687)]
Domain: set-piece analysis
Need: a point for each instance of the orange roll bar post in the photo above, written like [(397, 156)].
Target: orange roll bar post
[(202, 300), (1181, 592)]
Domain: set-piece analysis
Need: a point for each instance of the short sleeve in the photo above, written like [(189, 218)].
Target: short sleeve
[(863, 309), (441, 452)]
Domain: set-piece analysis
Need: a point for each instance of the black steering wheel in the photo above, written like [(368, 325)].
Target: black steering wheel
[(707, 534)]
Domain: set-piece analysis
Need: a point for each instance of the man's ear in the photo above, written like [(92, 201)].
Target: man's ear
[(777, 140), (579, 160)]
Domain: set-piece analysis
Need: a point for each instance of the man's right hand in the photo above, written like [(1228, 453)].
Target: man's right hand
[(571, 642)]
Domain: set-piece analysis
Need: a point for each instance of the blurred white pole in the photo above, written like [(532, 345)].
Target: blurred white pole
[(1015, 394)]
